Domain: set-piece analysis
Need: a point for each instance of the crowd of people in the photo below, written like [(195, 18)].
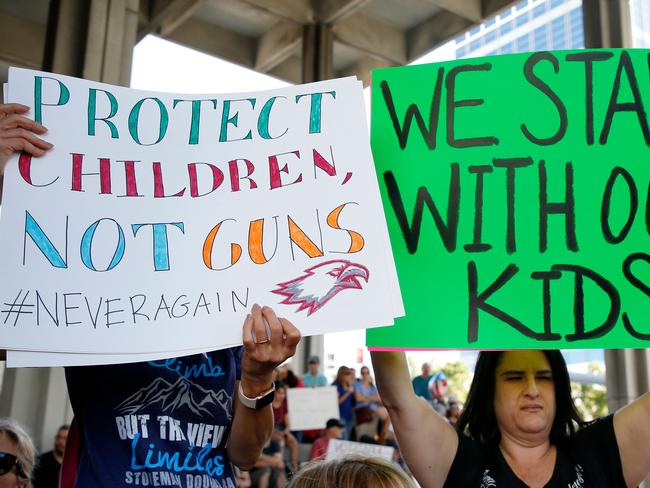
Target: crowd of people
[(362, 418)]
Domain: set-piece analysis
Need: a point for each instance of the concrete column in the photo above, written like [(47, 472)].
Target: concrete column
[(91, 39), (36, 397), (317, 52), (608, 23), (317, 56), (627, 376)]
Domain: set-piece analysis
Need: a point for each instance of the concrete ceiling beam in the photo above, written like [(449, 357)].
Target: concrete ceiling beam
[(372, 36), (333, 11), (215, 41), (276, 45)]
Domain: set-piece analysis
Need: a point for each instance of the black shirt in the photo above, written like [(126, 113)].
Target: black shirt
[(46, 472), (588, 459)]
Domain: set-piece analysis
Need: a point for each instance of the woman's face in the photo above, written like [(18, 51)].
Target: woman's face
[(365, 375), (524, 396), (10, 479)]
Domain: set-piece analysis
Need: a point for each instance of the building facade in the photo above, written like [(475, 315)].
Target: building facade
[(640, 13), (530, 25)]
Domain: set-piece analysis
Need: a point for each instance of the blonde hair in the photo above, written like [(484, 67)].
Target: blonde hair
[(351, 472), (25, 451)]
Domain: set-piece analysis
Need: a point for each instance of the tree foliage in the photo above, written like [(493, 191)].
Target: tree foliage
[(459, 378), (591, 399)]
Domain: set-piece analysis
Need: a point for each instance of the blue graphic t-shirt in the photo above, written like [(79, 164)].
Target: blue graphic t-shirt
[(158, 423)]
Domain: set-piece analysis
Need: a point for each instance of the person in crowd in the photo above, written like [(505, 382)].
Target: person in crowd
[(289, 378), (48, 465), (17, 455), (353, 372), (352, 472), (397, 454), (369, 408), (269, 469), (130, 417), (519, 428), (421, 382), (242, 478), (454, 410), (344, 383), (333, 430), (313, 377), (282, 431)]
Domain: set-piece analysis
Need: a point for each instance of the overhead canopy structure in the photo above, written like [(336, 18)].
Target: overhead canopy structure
[(354, 36), (294, 40)]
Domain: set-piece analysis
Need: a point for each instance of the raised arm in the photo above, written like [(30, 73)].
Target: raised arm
[(632, 429), (251, 428), (427, 442), (348, 391)]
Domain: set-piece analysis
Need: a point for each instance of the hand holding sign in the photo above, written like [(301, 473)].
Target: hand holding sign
[(18, 133), (268, 342)]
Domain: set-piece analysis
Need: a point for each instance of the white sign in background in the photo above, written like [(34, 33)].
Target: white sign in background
[(311, 408), (209, 171), (338, 449)]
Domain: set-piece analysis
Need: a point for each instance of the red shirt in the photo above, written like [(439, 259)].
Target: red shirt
[(319, 448), (279, 415)]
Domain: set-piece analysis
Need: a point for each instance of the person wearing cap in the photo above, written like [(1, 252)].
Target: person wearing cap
[(313, 377), (333, 430)]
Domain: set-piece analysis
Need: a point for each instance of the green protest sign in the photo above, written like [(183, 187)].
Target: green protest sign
[(517, 194)]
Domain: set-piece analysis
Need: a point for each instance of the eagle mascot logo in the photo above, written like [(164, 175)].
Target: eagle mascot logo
[(321, 283)]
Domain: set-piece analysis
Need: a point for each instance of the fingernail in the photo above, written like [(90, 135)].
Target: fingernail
[(255, 306), (248, 316)]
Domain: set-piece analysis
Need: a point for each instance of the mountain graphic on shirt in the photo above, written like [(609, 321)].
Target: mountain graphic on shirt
[(170, 398)]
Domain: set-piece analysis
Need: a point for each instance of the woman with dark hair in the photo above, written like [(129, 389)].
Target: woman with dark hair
[(289, 377), (281, 430), (519, 428), (344, 383)]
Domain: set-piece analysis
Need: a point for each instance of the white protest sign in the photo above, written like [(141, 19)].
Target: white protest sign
[(311, 408), (159, 219), (338, 449)]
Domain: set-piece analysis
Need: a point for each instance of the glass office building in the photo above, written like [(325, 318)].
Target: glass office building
[(640, 13), (530, 25), (537, 25)]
